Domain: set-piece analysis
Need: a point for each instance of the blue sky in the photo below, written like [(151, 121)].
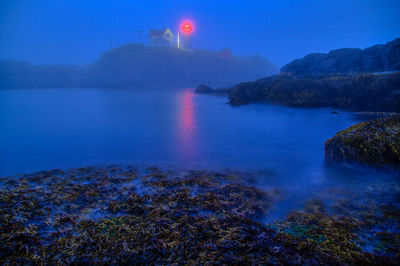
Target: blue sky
[(78, 31)]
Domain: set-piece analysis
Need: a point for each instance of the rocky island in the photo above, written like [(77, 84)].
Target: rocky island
[(136, 66)]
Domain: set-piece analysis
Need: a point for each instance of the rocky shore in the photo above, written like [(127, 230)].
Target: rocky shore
[(125, 215), (347, 78), (375, 142), (365, 92)]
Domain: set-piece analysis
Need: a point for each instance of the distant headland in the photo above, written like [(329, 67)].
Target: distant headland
[(138, 65)]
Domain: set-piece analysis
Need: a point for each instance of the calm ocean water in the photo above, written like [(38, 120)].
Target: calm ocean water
[(65, 128)]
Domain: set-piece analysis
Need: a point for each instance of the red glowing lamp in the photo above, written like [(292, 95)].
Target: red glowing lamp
[(187, 27)]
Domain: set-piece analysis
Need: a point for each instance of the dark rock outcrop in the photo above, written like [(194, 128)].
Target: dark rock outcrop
[(374, 142), (378, 58), (366, 92), (204, 89), (236, 101)]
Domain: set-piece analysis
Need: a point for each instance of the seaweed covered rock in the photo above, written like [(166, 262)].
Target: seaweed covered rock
[(352, 228), (374, 142), (126, 215)]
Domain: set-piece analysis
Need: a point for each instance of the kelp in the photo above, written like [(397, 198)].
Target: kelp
[(126, 215)]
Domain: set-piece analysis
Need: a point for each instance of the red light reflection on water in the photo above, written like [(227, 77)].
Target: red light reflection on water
[(186, 124)]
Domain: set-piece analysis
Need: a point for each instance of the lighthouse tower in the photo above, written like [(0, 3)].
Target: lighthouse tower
[(183, 40)]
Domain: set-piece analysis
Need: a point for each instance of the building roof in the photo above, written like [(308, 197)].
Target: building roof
[(161, 33), (156, 33)]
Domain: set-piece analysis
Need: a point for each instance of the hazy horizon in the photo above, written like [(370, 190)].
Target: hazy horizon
[(71, 32)]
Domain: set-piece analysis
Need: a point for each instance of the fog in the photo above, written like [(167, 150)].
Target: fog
[(78, 32), (197, 132)]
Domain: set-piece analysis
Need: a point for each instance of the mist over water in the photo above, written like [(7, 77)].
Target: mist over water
[(282, 147), (48, 128)]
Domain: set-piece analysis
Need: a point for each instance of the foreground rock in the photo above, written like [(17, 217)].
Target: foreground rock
[(374, 142), (117, 215), (378, 58), (366, 92)]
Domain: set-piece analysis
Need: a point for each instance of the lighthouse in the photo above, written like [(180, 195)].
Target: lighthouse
[(183, 40)]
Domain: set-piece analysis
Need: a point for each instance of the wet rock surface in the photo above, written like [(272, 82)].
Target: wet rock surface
[(374, 142), (365, 92), (115, 215)]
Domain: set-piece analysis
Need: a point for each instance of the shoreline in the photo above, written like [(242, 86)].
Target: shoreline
[(131, 215)]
